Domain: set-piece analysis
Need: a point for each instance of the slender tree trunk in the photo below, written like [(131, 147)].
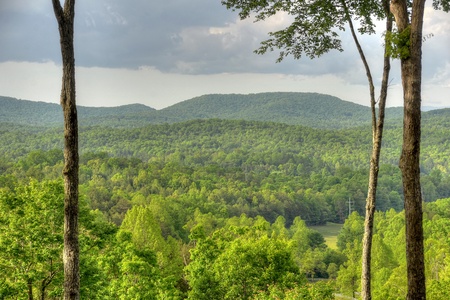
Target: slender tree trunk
[(411, 68), (377, 136), (65, 17)]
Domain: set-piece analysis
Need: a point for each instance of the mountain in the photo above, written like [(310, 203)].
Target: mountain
[(307, 109), (27, 112)]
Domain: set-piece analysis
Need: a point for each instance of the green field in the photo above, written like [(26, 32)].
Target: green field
[(329, 232)]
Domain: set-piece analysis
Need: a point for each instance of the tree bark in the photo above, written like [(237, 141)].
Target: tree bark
[(377, 136), (65, 17), (411, 70), (366, 290)]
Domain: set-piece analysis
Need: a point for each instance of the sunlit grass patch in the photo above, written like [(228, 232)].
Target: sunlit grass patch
[(329, 232)]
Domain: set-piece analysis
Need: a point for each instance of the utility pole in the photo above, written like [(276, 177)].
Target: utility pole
[(350, 203)]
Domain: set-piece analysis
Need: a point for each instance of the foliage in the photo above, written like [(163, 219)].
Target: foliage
[(240, 262), (131, 273), (389, 259), (320, 290), (31, 251), (398, 43), (231, 258), (315, 27), (146, 235), (227, 168), (441, 5), (181, 207)]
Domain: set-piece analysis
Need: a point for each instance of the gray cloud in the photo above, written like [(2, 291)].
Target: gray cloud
[(132, 34), (28, 33), (190, 37)]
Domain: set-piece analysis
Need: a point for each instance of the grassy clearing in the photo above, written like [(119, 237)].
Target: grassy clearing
[(329, 232)]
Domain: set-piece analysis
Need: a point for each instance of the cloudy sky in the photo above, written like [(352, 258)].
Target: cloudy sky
[(162, 52)]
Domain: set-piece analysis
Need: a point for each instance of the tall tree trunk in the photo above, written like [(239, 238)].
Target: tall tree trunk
[(411, 68), (377, 136), (65, 17)]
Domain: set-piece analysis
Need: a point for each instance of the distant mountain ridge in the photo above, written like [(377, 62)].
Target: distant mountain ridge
[(28, 112), (307, 109)]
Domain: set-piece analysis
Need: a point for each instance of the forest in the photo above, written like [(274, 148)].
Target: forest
[(217, 207)]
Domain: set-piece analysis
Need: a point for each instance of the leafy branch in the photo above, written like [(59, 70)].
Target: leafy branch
[(398, 43)]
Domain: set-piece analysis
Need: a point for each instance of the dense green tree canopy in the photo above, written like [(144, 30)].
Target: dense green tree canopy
[(187, 199)]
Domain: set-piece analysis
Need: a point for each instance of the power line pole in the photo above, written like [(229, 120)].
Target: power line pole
[(350, 203)]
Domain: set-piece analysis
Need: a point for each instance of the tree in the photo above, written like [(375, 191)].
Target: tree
[(313, 33), (411, 72), (377, 137), (146, 234), (30, 250), (348, 274), (252, 264), (65, 18), (241, 261), (131, 273), (199, 272), (407, 45)]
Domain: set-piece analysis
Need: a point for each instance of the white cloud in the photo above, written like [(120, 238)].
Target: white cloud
[(31, 81), (442, 75)]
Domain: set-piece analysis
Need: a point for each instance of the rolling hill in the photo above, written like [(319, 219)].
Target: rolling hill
[(27, 112), (307, 109)]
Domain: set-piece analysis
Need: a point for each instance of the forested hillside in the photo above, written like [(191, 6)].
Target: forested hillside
[(199, 204), (284, 159), (307, 109), (33, 113)]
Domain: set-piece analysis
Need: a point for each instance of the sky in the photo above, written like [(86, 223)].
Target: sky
[(159, 53)]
